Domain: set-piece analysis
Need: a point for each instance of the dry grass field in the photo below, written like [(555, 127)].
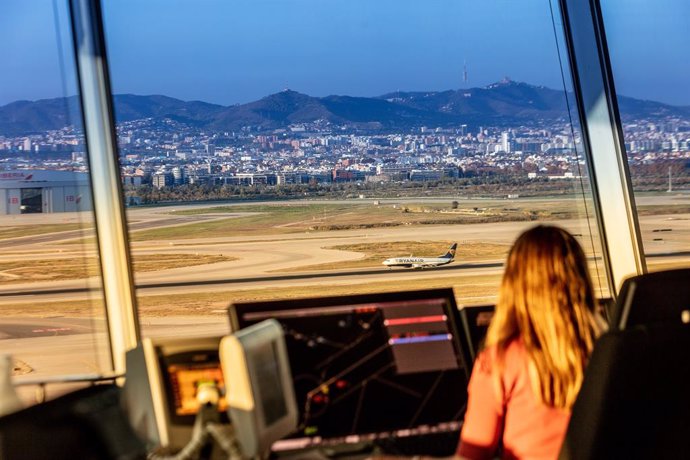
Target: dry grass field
[(33, 230), (34, 270), (287, 218)]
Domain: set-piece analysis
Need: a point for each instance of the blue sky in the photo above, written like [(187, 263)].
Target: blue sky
[(235, 51)]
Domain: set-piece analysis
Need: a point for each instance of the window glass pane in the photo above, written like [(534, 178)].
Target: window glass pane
[(651, 67), (284, 149), (53, 320)]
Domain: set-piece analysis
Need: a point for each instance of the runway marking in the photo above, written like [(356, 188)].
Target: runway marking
[(52, 329)]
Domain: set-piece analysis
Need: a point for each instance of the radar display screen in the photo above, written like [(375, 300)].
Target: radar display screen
[(370, 366), (185, 381), (183, 373)]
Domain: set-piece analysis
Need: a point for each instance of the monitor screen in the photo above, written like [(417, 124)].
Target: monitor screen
[(184, 382), (164, 375), (268, 372), (183, 373), (367, 366), (475, 320), (261, 402)]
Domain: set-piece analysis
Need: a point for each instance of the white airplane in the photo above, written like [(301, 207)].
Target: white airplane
[(422, 262)]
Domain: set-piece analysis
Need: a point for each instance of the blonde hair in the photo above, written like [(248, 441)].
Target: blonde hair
[(547, 301)]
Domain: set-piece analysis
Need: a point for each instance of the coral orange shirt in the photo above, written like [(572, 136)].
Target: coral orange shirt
[(509, 412)]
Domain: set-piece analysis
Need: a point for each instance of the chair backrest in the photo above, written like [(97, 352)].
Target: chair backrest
[(635, 400), (85, 424), (653, 298)]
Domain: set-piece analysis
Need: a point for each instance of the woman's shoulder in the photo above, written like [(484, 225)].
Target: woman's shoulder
[(510, 355), (511, 348)]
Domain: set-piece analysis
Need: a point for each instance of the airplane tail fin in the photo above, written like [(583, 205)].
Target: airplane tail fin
[(451, 252)]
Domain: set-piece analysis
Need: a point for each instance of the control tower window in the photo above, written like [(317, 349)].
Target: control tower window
[(276, 166), (46, 213), (650, 64)]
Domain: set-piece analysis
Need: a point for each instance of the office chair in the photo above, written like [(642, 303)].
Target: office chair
[(635, 399), (86, 424), (652, 298)]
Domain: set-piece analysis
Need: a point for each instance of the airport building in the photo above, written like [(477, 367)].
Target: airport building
[(41, 191)]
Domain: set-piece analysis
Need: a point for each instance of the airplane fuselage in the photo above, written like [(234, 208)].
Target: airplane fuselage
[(416, 262)]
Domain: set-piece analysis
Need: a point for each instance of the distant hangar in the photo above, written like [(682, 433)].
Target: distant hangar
[(42, 191)]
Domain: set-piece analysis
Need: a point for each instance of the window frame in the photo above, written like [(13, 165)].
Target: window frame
[(95, 97), (604, 147)]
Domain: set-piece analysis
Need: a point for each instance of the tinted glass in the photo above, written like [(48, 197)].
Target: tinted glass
[(648, 45), (287, 149), (52, 318)]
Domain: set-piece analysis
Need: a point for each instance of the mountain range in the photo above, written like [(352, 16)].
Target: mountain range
[(503, 103)]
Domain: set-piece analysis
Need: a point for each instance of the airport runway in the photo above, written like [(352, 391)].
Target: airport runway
[(284, 260), (265, 262), (77, 290), (274, 261)]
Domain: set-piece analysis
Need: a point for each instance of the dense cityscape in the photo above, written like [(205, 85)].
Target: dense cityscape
[(163, 154)]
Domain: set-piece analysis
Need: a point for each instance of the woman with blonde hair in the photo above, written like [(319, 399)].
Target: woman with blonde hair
[(527, 377)]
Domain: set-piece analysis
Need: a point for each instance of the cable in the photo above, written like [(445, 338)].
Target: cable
[(206, 430), (224, 435), (189, 452)]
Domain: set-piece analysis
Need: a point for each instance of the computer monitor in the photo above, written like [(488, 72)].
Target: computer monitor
[(475, 321), (261, 401), (160, 395), (659, 297), (370, 366)]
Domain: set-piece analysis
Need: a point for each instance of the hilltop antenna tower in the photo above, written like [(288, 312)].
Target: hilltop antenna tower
[(464, 72)]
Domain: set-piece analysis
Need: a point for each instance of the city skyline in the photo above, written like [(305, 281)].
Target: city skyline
[(234, 52)]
